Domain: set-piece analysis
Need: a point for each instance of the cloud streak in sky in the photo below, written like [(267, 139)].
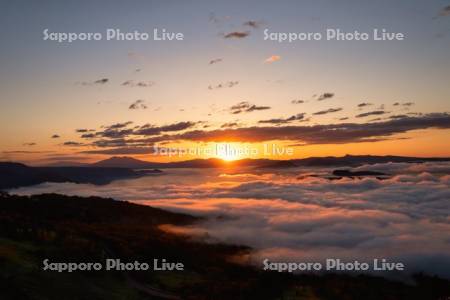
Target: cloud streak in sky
[(245, 106), (101, 81), (325, 96), (237, 34), (297, 117), (138, 104), (327, 111), (371, 113), (272, 59), (228, 84)]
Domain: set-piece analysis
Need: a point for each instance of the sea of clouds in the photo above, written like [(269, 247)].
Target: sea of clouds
[(288, 215)]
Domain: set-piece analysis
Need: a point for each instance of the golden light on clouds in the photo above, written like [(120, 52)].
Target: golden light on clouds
[(272, 59)]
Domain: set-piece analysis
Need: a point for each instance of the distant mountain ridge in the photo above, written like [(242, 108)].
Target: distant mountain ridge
[(348, 160), (16, 174), (102, 172)]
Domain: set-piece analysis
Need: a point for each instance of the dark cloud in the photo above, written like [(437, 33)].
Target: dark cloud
[(321, 134), (297, 117), (149, 130), (237, 34), (327, 111), (115, 133), (118, 125), (364, 104), (228, 84), (405, 104), (96, 82), (244, 106), (215, 61), (29, 144), (101, 81), (83, 130), (132, 83), (325, 96), (138, 104), (376, 120), (398, 116), (23, 152), (343, 119), (116, 130), (72, 143), (88, 135), (229, 125), (116, 136), (55, 136), (371, 113), (295, 101)]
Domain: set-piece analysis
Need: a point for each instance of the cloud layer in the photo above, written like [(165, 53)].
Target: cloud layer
[(291, 215), (124, 135)]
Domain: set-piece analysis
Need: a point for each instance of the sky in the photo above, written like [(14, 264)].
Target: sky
[(223, 84)]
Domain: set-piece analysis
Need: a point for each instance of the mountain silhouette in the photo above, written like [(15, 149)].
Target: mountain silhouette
[(103, 172), (16, 174), (348, 160)]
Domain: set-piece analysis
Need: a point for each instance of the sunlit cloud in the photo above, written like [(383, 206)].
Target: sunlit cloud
[(272, 59)]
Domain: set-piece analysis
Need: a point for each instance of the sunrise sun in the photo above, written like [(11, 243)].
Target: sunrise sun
[(229, 151)]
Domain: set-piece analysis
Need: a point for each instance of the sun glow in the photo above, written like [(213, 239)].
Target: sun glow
[(229, 151)]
